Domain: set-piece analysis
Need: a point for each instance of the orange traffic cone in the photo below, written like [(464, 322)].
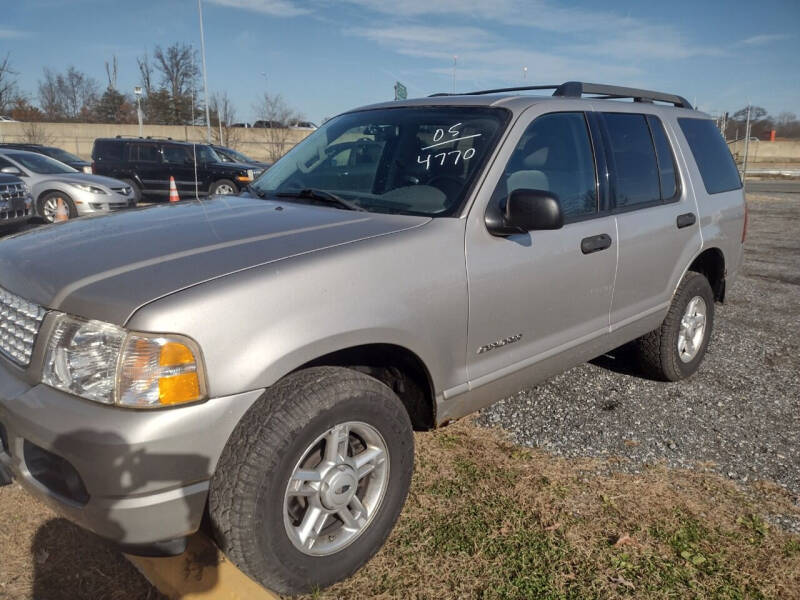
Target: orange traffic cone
[(61, 211), (173, 190)]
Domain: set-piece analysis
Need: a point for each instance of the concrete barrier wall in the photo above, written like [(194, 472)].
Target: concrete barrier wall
[(767, 152), (78, 138), (264, 144)]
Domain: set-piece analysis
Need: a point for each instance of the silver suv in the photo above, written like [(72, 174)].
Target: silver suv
[(405, 265)]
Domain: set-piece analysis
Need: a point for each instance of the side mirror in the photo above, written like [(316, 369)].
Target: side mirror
[(526, 210), (12, 171)]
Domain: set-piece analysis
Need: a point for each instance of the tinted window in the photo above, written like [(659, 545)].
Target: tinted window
[(176, 154), (554, 155), (666, 161), (711, 155), (633, 159), (107, 151), (145, 153)]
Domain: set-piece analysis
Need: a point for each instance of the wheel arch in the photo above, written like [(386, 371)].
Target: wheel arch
[(711, 263), (396, 366)]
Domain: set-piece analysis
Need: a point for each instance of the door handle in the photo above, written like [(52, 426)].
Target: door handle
[(686, 220), (595, 243)]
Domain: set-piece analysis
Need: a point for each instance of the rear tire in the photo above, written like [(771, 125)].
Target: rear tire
[(675, 350), (262, 494)]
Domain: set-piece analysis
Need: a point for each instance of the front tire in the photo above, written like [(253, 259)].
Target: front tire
[(675, 350), (47, 206), (313, 479), (223, 187)]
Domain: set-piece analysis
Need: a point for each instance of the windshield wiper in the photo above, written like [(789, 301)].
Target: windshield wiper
[(321, 196)]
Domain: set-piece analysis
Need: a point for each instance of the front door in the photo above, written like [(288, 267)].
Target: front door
[(543, 293)]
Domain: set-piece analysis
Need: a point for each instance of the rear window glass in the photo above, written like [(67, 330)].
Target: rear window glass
[(711, 154), (634, 159), (107, 151), (145, 153), (666, 160)]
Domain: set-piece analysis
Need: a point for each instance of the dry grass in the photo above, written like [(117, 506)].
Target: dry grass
[(487, 519)]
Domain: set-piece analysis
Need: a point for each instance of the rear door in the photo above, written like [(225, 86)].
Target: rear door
[(145, 161), (656, 214), (179, 163), (540, 294)]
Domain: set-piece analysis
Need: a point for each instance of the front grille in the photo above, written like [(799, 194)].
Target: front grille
[(10, 191), (20, 321)]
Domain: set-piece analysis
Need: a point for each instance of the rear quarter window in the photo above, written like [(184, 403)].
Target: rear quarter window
[(711, 154), (107, 151)]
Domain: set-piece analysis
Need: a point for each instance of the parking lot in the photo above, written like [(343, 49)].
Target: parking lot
[(738, 419)]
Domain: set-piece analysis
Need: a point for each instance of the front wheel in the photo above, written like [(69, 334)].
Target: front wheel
[(47, 206), (313, 479), (223, 187), (675, 350)]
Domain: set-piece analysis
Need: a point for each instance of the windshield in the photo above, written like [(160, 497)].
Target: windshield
[(206, 154), (39, 163), (61, 155), (419, 161), (234, 155)]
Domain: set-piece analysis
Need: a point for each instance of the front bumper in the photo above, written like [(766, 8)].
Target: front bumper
[(87, 203), (142, 476)]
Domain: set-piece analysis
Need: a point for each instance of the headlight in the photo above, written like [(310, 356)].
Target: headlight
[(107, 364), (89, 188)]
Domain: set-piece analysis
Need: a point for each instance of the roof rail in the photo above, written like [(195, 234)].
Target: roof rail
[(577, 89)]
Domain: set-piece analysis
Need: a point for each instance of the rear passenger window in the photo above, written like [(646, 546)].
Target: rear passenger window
[(145, 153), (107, 151), (633, 159), (666, 160), (555, 155), (711, 154)]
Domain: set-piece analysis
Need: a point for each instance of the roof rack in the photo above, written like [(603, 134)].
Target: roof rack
[(577, 89)]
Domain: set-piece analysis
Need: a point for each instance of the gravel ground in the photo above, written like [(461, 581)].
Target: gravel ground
[(739, 415)]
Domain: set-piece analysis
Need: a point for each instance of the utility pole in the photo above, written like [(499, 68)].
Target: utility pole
[(455, 64), (746, 142), (205, 74), (137, 91), (219, 119)]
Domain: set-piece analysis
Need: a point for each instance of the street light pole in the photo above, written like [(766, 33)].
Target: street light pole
[(205, 74), (455, 64), (137, 91)]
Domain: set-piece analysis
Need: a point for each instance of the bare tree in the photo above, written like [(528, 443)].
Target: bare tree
[(111, 73), (276, 113), (222, 111), (145, 73), (8, 84), (178, 67), (68, 96), (35, 133)]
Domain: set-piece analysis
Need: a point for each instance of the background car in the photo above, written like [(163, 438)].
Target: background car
[(16, 205), (268, 125), (304, 125), (5, 119), (50, 180), (234, 156), (147, 164), (76, 162)]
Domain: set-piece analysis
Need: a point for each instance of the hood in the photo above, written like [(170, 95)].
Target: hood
[(235, 165), (106, 267), (84, 178)]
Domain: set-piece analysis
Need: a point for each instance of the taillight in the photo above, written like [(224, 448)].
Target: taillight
[(746, 219)]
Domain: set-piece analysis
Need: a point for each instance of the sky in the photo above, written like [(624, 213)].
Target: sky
[(328, 56)]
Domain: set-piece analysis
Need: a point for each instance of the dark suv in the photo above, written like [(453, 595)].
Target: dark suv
[(147, 164)]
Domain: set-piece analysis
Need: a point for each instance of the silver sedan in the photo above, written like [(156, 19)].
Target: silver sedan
[(51, 181)]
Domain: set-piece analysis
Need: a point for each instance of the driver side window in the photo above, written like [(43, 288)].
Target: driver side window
[(554, 155)]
